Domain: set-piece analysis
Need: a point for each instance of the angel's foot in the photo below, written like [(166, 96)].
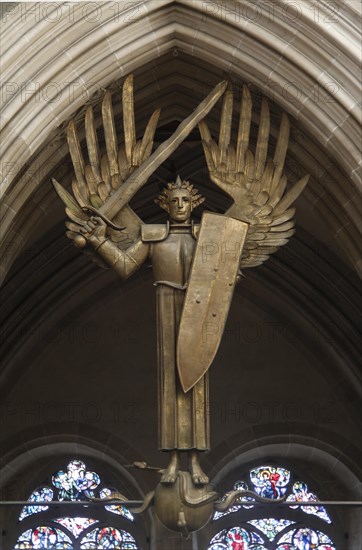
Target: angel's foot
[(199, 477), (197, 474), (170, 474)]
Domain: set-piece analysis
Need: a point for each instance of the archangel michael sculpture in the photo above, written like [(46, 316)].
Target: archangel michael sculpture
[(195, 267)]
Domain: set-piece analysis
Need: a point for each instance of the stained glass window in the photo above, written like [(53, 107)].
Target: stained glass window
[(302, 494), (42, 494), (305, 539), (242, 486), (273, 533), (108, 537), (271, 526), (274, 482), (75, 482), (270, 482), (43, 537), (236, 538), (76, 525), (118, 508)]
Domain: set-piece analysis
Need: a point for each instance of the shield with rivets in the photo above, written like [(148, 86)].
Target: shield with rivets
[(209, 292)]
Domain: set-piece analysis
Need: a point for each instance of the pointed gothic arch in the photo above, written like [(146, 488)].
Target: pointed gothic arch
[(304, 302)]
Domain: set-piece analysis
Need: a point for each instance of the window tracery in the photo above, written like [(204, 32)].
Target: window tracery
[(273, 532), (75, 483)]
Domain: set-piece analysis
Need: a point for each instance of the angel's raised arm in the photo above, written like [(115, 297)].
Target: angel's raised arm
[(103, 185), (98, 177)]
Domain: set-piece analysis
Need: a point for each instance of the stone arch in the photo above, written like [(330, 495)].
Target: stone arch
[(304, 60), (318, 456), (49, 449), (237, 44)]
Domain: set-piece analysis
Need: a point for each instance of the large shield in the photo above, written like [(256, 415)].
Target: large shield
[(208, 296)]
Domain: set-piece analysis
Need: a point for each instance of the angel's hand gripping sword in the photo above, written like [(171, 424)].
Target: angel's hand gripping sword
[(133, 164)]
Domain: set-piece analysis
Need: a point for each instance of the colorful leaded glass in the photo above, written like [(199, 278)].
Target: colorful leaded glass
[(326, 541), (24, 541), (300, 494), (239, 486), (305, 539), (236, 538), (76, 525), (270, 526), (117, 508), (75, 482), (270, 482), (43, 537), (108, 537), (242, 486), (42, 494), (273, 482)]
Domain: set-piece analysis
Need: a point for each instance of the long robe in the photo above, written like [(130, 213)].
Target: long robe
[(183, 417)]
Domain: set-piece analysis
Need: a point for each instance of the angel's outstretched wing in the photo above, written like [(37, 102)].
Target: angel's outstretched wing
[(98, 177), (255, 182), (104, 185)]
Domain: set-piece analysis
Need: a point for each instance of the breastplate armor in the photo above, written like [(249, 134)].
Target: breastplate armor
[(172, 257)]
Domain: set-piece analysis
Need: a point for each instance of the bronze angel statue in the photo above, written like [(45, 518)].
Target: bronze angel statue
[(195, 266)]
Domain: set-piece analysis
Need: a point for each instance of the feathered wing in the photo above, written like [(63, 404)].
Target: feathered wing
[(98, 177), (255, 182)]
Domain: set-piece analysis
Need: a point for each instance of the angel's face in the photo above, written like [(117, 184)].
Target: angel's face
[(179, 206)]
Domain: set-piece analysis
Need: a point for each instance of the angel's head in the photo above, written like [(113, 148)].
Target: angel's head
[(179, 199)]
